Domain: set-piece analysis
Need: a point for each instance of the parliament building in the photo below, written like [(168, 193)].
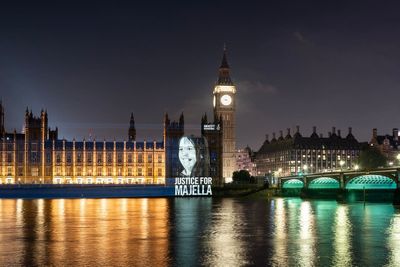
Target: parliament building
[(38, 156)]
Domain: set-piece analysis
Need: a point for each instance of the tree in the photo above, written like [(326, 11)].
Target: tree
[(371, 158), (241, 176)]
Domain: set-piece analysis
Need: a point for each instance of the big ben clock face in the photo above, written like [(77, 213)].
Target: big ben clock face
[(226, 100)]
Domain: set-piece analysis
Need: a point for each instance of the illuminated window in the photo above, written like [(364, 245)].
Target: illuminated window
[(69, 171), (129, 171), (79, 171), (159, 171), (140, 158), (9, 157), (9, 172), (149, 158), (48, 171), (109, 157), (109, 171), (140, 172), (99, 158), (58, 157), (99, 171), (89, 157), (79, 157), (160, 158), (119, 172), (119, 157), (149, 172)]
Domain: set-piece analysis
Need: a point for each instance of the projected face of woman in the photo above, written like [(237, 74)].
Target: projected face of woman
[(187, 155)]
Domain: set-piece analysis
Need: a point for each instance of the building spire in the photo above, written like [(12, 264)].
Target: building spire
[(224, 77), (224, 62), (132, 129)]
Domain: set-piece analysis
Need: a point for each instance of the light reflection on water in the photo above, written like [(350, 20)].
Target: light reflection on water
[(197, 231)]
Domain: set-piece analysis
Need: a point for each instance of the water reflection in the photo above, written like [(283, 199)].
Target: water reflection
[(280, 235), (198, 231), (226, 247), (306, 252), (394, 241), (106, 232), (342, 230)]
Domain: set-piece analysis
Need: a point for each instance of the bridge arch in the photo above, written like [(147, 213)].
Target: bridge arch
[(324, 183), (371, 181), (293, 183)]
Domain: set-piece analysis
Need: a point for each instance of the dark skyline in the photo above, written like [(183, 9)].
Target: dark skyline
[(322, 63)]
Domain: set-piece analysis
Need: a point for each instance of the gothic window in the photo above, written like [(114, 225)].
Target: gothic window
[(140, 158), (69, 171), (149, 158), (149, 172), (99, 171), (129, 157), (99, 158), (109, 157), (89, 157), (48, 171), (69, 158), (58, 171), (119, 157)]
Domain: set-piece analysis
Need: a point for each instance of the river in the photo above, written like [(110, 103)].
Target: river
[(197, 232)]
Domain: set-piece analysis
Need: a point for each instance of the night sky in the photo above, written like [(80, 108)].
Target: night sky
[(322, 63)]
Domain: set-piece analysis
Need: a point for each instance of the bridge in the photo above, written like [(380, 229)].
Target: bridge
[(384, 179), (387, 178)]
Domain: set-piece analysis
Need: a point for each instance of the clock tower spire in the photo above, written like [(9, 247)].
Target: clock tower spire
[(224, 107)]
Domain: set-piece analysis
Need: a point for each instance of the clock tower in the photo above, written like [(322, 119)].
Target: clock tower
[(224, 103)]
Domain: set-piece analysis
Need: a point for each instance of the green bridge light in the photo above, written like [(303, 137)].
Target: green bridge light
[(293, 183), (324, 183), (371, 182)]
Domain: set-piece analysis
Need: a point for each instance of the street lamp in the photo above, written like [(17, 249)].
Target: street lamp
[(305, 168), (341, 163), (398, 158), (356, 167)]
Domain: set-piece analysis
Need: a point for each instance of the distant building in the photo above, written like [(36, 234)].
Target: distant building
[(294, 155), (388, 144), (38, 156), (244, 160)]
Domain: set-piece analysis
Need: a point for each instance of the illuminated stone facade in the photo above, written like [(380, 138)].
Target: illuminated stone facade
[(245, 161), (296, 155), (38, 156), (388, 144), (224, 102)]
